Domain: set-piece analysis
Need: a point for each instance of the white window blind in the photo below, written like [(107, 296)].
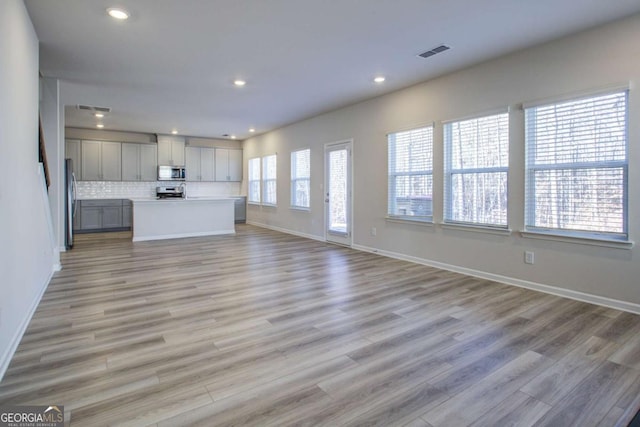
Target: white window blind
[(476, 167), (300, 178), (411, 174), (254, 181), (269, 180), (576, 166)]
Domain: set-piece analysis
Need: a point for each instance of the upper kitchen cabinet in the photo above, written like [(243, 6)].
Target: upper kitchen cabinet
[(72, 151), (200, 164), (139, 162), (170, 150), (101, 161), (228, 164)]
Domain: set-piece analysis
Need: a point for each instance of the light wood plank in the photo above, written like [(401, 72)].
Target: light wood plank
[(264, 328)]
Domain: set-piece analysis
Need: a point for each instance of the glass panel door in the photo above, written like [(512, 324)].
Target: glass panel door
[(338, 193)]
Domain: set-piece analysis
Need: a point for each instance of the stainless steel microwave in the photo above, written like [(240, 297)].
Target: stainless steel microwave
[(171, 173)]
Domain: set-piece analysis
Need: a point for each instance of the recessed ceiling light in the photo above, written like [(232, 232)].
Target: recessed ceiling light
[(100, 125), (379, 79), (239, 82), (174, 132), (118, 13), (99, 115), (233, 137), (252, 130)]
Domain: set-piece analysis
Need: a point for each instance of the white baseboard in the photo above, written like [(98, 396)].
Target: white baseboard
[(5, 360), (286, 231), (182, 235), (548, 289), (57, 265)]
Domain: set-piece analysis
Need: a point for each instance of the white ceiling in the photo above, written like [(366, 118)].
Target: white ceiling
[(173, 63)]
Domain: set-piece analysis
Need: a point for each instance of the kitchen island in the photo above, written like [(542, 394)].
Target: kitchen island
[(156, 219)]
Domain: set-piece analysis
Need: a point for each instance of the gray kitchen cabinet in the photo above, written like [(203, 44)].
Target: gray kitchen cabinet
[(200, 164), (130, 162), (192, 163), (90, 218), (101, 161), (171, 150), (240, 209), (112, 216), (76, 216), (91, 159), (101, 215), (207, 164), (127, 214), (72, 151), (111, 161), (139, 162), (228, 164), (148, 162)]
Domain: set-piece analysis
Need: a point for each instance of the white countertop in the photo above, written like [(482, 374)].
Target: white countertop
[(180, 200), (153, 198)]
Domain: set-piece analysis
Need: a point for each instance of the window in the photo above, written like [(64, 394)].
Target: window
[(300, 178), (254, 180), (476, 166), (269, 180), (576, 167), (410, 174)]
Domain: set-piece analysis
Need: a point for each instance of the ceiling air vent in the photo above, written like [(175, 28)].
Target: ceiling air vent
[(434, 51), (94, 109)]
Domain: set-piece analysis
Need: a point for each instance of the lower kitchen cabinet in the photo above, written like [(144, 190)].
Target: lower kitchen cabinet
[(90, 217), (127, 214), (112, 216), (240, 211), (103, 215)]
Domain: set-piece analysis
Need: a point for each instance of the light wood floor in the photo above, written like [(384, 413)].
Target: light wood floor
[(264, 329)]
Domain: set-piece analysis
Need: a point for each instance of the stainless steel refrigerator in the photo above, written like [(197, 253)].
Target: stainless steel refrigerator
[(70, 201)]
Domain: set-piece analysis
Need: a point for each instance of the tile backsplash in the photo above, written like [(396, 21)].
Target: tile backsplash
[(126, 189)]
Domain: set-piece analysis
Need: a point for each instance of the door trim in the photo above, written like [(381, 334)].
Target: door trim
[(349, 235)]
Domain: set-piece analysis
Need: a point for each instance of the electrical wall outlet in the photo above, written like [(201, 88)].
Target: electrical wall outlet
[(529, 257), (374, 231)]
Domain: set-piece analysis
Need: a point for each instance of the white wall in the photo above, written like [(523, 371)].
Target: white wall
[(26, 249), (600, 57), (52, 116)]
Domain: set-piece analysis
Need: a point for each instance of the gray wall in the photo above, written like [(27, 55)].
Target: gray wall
[(587, 61), (27, 246)]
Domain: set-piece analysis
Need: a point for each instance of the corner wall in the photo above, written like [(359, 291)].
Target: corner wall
[(51, 115), (27, 249), (591, 60)]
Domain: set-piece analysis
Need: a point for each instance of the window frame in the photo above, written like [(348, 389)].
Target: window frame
[(295, 179), (266, 181), (392, 176), (250, 181), (583, 236), (449, 173)]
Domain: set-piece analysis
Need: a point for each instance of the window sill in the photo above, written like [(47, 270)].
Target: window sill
[(253, 203), (269, 205), (406, 220), (299, 208), (477, 228), (579, 240)]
